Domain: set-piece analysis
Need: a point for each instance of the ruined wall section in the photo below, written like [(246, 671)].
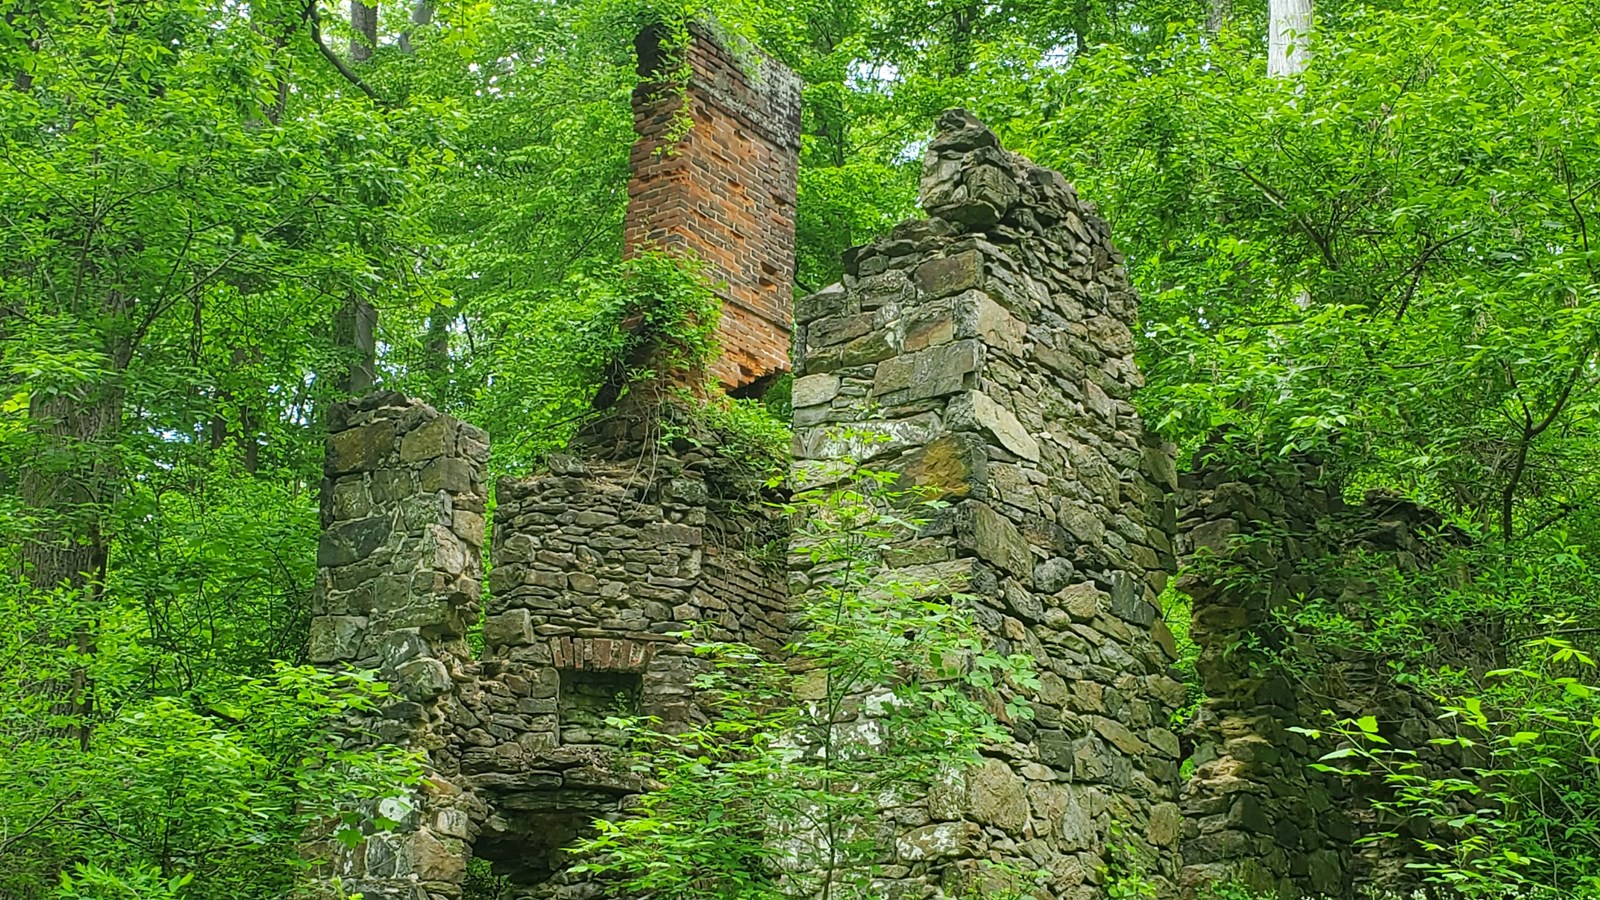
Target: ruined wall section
[(723, 189), (991, 346), (599, 567), (1257, 545), (399, 579)]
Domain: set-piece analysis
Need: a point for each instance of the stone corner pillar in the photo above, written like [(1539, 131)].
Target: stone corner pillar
[(990, 349), (399, 577)]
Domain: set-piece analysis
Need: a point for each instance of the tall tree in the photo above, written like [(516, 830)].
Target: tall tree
[(1288, 33), (364, 24)]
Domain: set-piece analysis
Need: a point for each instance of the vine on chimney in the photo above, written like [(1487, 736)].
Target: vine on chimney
[(656, 319)]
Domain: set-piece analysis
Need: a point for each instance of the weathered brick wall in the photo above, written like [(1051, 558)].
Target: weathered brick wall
[(991, 346), (724, 190), (1258, 544), (399, 579)]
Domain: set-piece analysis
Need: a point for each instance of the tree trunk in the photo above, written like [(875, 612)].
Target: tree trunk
[(65, 488), (1288, 31), (421, 15), (355, 329), (436, 355), (364, 19), (245, 435), (1218, 14), (960, 40)]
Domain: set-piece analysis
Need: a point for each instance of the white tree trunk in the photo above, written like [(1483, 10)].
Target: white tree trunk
[(1288, 30)]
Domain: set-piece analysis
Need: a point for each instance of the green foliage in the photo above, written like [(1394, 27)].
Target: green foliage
[(1177, 612), (482, 884), (745, 433), (195, 793), (90, 882), (1526, 818), (220, 568), (610, 323), (887, 695), (1235, 891), (1387, 260), (1124, 879)]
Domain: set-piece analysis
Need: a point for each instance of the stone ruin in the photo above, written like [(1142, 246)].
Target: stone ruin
[(1255, 545), (596, 566), (990, 349)]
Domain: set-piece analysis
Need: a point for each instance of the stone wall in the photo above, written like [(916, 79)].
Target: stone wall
[(723, 189), (398, 582), (598, 569), (990, 346), (1261, 544), (988, 351)]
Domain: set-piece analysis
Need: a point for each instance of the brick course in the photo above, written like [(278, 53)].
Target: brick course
[(724, 191)]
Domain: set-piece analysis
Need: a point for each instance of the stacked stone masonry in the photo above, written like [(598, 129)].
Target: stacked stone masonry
[(990, 350), (598, 568), (1255, 810), (399, 579), (724, 189)]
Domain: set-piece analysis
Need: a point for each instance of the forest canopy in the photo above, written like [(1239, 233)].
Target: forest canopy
[(221, 217)]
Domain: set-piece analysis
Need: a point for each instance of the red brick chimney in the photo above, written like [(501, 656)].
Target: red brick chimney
[(725, 191)]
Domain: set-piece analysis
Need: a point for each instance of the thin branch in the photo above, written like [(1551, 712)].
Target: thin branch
[(1281, 202), (157, 309), (1530, 431), (1577, 212), (315, 19), (39, 823), (1416, 270)]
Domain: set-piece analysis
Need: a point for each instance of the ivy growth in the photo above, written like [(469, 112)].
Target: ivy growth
[(886, 691)]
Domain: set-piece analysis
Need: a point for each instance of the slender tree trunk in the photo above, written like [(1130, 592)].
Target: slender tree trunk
[(357, 320), (1081, 11), (421, 15), (436, 354), (355, 333), (961, 38), (245, 435), (364, 19), (1288, 31), (1218, 14)]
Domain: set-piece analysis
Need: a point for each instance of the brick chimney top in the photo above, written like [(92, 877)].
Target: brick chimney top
[(725, 191)]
